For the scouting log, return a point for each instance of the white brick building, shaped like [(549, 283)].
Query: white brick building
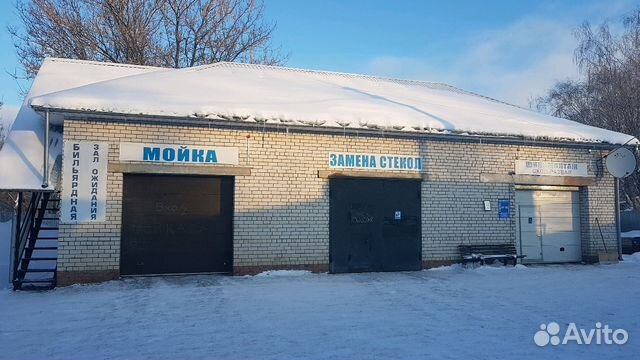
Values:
[(215, 186)]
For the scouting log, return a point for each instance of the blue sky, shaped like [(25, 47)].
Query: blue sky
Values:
[(510, 50)]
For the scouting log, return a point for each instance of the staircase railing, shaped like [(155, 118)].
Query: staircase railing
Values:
[(28, 226)]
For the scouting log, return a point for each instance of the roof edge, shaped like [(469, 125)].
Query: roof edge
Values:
[(101, 63), (232, 124)]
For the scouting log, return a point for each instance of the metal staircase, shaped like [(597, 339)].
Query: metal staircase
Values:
[(36, 242)]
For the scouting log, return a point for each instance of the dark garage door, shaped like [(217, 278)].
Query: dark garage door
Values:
[(374, 225), (176, 224)]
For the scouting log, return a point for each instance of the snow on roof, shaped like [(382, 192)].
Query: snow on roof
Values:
[(8, 115), (242, 92), (304, 97), (21, 157)]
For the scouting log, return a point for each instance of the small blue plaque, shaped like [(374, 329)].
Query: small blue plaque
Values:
[(504, 206)]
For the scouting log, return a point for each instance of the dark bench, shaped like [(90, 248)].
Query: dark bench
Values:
[(487, 254)]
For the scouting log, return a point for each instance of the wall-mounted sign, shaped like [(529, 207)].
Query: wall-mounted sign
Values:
[(531, 167), (375, 161), (504, 206), (184, 154), (84, 182)]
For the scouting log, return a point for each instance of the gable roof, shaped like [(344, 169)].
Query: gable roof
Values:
[(279, 95), (248, 93)]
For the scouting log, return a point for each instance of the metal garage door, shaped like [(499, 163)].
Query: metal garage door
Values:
[(549, 226), (176, 224), (374, 225)]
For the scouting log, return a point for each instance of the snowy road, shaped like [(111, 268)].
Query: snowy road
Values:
[(447, 313)]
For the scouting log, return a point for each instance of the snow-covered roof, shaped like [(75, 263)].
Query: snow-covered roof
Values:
[(8, 115), (21, 157), (316, 98), (248, 93)]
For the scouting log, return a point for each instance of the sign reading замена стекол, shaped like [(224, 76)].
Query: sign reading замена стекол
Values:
[(186, 154), (365, 161)]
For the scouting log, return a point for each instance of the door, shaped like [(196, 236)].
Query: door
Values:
[(549, 225), (176, 224), (530, 237), (374, 225)]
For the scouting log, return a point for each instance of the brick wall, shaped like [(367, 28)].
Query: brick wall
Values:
[(282, 209), (453, 214)]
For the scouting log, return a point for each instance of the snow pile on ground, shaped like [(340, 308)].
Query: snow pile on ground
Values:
[(284, 273), (452, 313), (633, 258), (478, 268), (285, 96), (630, 234)]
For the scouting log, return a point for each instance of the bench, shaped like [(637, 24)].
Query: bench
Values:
[(487, 254)]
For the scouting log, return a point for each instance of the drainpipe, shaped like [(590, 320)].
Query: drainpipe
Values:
[(618, 225), (16, 238), (45, 175)]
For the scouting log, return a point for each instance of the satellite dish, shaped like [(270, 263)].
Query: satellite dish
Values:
[(621, 162)]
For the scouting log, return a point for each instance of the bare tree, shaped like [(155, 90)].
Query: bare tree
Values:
[(203, 32), (608, 93), (173, 33)]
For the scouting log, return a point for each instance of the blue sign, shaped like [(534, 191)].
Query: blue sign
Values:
[(504, 206)]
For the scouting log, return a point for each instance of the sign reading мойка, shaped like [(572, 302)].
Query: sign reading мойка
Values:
[(170, 153)]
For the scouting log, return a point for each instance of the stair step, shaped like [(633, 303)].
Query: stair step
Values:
[(26, 287), (34, 281), (50, 218), (39, 258), (36, 270), (47, 238), (42, 248), (52, 209), (49, 228)]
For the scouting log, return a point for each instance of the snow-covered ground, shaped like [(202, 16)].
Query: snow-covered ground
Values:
[(630, 234), (6, 233), (5, 253), (445, 313)]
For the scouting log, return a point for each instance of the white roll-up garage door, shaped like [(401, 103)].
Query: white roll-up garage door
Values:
[(548, 226)]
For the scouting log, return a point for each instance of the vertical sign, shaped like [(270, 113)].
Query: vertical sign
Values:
[(84, 182), (504, 206)]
